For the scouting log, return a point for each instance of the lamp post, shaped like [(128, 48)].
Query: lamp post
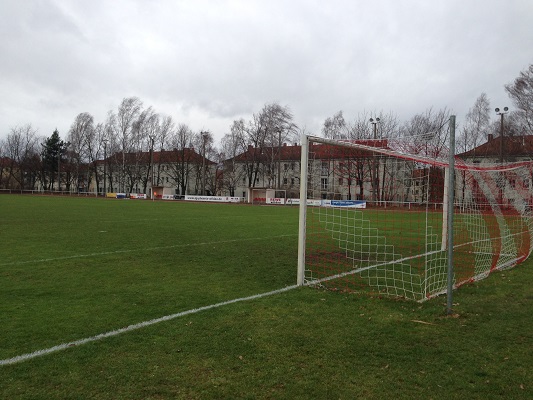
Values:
[(375, 122), (376, 166), (501, 113), (59, 169), (279, 158), (105, 164), (204, 140), (59, 148), (152, 138)]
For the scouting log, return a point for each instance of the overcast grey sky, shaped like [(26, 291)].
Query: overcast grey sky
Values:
[(206, 63)]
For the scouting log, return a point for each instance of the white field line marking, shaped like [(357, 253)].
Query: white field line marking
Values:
[(106, 221), (362, 269), (354, 271), (491, 239), (129, 328), (387, 263), (173, 246)]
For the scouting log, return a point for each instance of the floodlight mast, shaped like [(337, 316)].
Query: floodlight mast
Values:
[(105, 164), (376, 164), (279, 157), (204, 140), (152, 139), (501, 114)]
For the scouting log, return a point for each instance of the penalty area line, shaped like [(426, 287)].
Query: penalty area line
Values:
[(129, 328), (172, 246)]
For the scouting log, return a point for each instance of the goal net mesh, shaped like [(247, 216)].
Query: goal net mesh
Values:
[(376, 217)]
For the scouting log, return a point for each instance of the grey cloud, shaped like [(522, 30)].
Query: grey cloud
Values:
[(207, 63)]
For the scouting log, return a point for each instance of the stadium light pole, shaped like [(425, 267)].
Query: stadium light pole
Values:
[(204, 139), (279, 158), (152, 138), (376, 167), (501, 114), (59, 168), (105, 164)]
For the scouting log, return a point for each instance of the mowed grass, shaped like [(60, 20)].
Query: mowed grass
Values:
[(73, 268), (77, 267)]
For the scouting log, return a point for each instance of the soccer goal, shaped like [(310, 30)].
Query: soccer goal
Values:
[(374, 216)]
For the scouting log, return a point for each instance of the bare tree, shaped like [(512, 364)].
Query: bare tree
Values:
[(426, 134), (263, 138), (335, 127), (231, 146), (202, 144), (180, 159), (521, 93), (140, 169), (253, 145), (122, 125), (476, 124), (113, 163), (359, 167), (95, 141), (78, 137), (214, 167), (4, 167), (21, 149)]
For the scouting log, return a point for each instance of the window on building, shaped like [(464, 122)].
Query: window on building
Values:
[(341, 181), (285, 181), (324, 170), (324, 183)]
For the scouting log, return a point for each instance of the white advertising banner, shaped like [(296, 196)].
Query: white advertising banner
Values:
[(275, 200), (310, 202), (217, 199)]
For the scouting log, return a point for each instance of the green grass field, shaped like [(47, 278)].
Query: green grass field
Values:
[(74, 268)]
